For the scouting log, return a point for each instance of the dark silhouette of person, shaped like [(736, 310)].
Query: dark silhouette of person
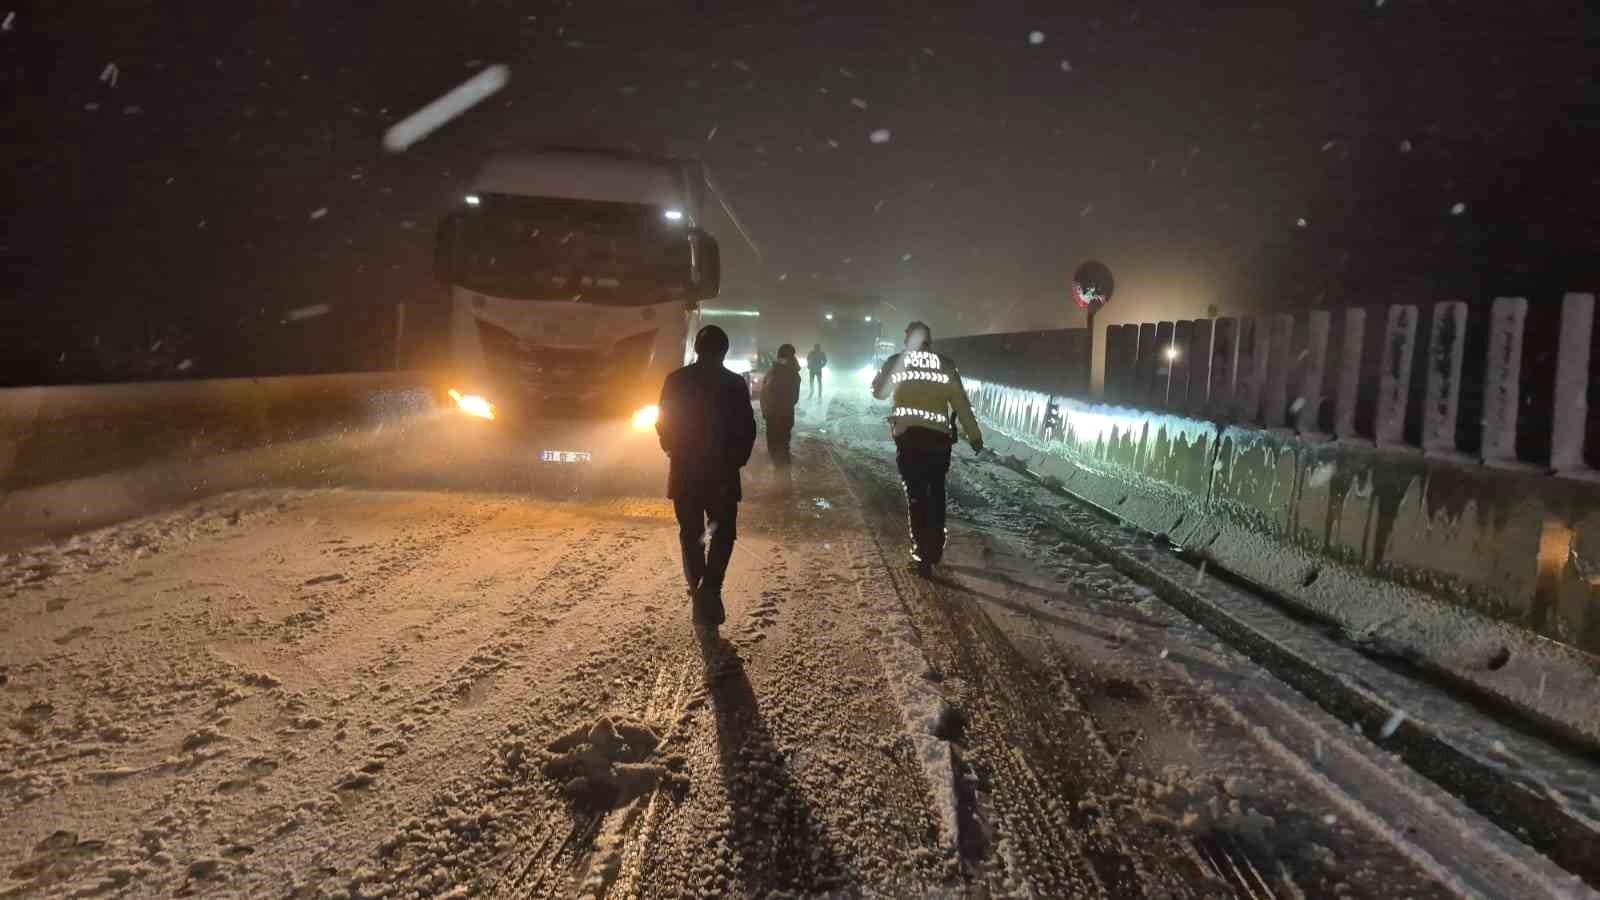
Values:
[(780, 391), (707, 427), (816, 361)]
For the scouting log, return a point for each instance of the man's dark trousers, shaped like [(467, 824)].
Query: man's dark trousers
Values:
[(710, 508), (779, 429)]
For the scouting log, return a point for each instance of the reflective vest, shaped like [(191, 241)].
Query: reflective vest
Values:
[(927, 393)]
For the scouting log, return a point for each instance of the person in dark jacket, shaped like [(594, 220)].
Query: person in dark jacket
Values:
[(816, 361), (929, 399), (707, 428), (779, 394)]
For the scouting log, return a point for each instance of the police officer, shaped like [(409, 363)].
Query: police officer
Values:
[(707, 428), (928, 401)]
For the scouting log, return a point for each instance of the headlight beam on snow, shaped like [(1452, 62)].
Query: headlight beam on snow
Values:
[(428, 119)]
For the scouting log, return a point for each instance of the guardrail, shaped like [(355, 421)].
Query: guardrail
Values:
[(1500, 383), (1052, 361), (1484, 575), (76, 456), (1382, 468)]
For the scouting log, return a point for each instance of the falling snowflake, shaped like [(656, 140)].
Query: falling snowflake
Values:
[(1301, 223), (1379, 3), (1298, 404), (833, 143), (430, 118), (1458, 209), (905, 257), (319, 212), (880, 136), (711, 134), (846, 72), (1391, 726), (877, 206), (1066, 66), (1327, 146), (1164, 653), (858, 103), (10, 18), (307, 312), (741, 65), (1035, 38), (186, 365), (784, 276), (110, 74), (1405, 146), (1087, 208), (1321, 476)]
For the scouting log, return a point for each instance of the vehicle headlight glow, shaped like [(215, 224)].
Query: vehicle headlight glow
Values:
[(674, 215), (737, 366), (646, 417), (472, 405)]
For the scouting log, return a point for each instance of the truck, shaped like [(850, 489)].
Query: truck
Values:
[(575, 279)]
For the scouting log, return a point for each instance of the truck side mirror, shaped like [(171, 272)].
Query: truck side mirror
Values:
[(708, 265), (446, 240)]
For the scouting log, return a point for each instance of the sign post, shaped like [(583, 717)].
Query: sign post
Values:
[(1092, 285)]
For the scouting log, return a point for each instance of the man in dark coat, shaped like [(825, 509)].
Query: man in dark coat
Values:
[(707, 428), (779, 394)]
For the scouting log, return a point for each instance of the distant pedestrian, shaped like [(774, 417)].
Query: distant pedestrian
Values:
[(816, 361), (780, 391), (929, 400), (707, 428)]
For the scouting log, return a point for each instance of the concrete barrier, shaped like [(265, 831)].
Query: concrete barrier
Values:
[(1483, 575), (79, 456)]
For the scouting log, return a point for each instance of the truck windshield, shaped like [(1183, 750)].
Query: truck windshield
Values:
[(576, 250)]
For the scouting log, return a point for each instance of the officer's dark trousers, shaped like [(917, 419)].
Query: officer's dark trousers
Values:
[(779, 429), (923, 457), (706, 561)]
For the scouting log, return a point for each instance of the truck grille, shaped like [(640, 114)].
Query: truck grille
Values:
[(563, 371)]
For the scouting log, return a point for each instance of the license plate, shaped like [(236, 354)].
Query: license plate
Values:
[(565, 456)]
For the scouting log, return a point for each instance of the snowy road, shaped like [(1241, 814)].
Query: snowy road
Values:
[(417, 686)]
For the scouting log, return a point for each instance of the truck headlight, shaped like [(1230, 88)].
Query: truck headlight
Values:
[(646, 416), (472, 405)]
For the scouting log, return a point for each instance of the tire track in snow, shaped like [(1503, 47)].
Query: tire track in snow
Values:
[(1030, 751)]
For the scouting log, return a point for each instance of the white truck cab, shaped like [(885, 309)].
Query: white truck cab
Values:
[(575, 279)]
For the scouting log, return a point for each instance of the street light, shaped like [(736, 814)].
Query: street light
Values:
[(867, 319), (828, 316)]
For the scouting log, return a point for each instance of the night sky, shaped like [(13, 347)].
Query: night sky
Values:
[(1429, 148)]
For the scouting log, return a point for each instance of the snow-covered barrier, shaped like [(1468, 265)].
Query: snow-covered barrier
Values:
[(73, 456), (1482, 574)]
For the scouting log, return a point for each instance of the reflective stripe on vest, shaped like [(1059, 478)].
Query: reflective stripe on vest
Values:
[(911, 412)]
